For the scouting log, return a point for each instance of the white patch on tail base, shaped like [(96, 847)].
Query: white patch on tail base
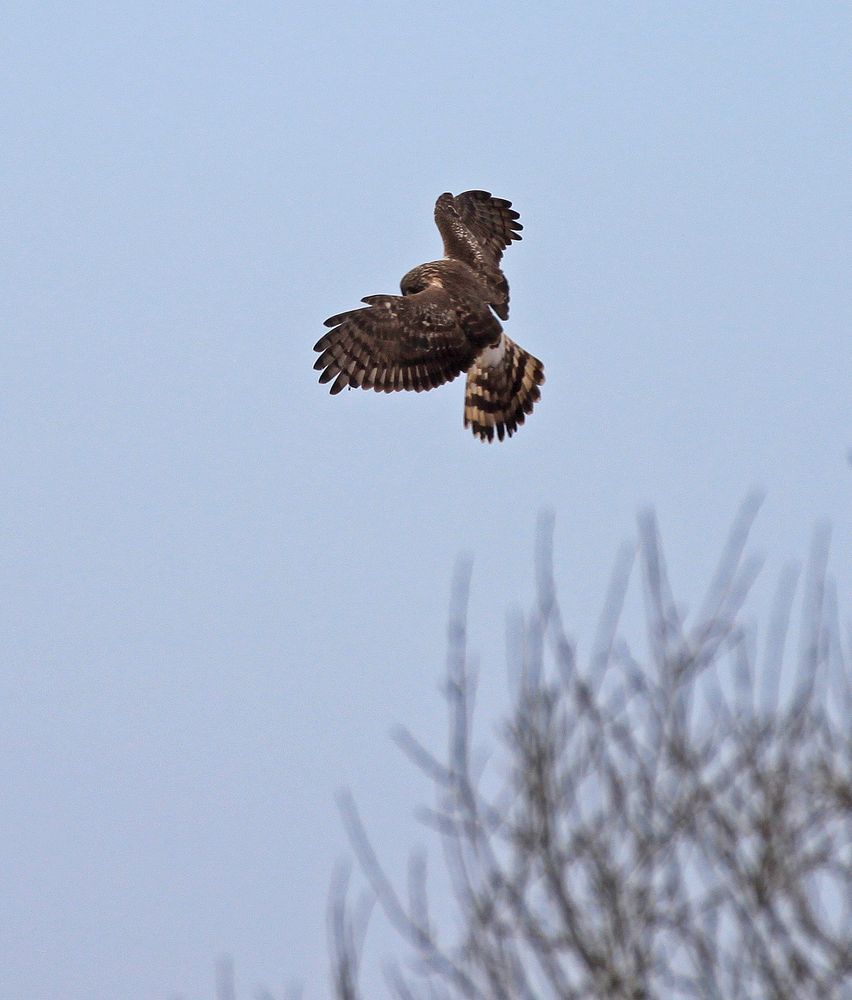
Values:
[(492, 357)]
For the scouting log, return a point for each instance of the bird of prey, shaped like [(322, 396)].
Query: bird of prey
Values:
[(444, 323)]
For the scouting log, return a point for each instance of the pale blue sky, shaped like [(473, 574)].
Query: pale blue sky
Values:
[(220, 586)]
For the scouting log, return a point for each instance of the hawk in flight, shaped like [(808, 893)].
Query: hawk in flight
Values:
[(444, 323)]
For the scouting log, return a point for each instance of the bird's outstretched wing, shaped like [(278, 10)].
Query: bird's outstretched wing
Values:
[(398, 342), (476, 227)]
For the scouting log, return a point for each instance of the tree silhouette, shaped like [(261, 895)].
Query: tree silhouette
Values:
[(670, 824)]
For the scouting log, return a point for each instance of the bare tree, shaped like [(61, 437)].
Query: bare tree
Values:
[(671, 824)]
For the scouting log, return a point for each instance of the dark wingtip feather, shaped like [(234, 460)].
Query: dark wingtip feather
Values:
[(340, 383)]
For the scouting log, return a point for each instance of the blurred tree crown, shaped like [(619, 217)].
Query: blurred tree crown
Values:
[(670, 825)]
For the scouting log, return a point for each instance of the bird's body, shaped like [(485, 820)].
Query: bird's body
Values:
[(444, 323)]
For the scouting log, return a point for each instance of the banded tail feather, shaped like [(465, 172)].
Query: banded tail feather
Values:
[(502, 388)]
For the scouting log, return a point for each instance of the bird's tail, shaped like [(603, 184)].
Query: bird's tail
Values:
[(502, 388)]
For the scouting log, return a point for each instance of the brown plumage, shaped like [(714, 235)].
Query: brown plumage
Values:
[(443, 324)]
